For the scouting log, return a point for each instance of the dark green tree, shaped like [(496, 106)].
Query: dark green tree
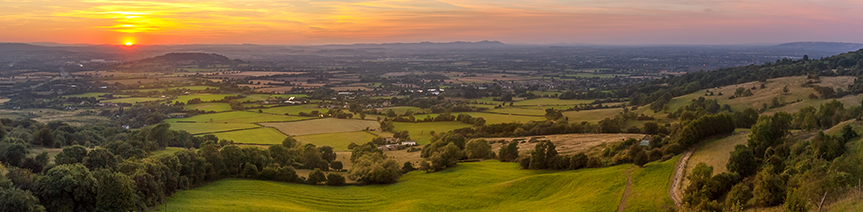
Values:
[(116, 192), (71, 155), (742, 161), (17, 200), (69, 187), (44, 137), (316, 177), (100, 158), (334, 179), (509, 153), (478, 149)]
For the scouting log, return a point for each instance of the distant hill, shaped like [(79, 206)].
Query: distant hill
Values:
[(428, 45), (187, 58), (8, 47), (822, 46)]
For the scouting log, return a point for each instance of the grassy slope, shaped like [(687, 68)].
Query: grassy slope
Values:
[(203, 97), (294, 110), (216, 107), (263, 135), (481, 186), (132, 100), (198, 128), (327, 125), (593, 116)]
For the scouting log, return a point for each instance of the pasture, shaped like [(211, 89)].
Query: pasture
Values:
[(714, 153), (263, 135), (199, 128), (194, 88), (592, 116), (203, 97), (133, 100), (215, 107), (551, 102), (236, 117), (480, 186), (339, 141), (320, 126), (420, 132), (294, 109)]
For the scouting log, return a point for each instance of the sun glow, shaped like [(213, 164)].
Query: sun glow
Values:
[(128, 43)]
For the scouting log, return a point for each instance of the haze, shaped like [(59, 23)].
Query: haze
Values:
[(362, 21)]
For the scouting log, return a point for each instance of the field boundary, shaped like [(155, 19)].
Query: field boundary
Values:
[(510, 114), (224, 131)]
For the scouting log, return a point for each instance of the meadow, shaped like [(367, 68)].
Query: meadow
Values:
[(237, 117), (264, 135), (339, 141), (203, 97), (420, 132), (215, 107), (199, 128), (194, 88), (519, 111), (294, 109), (325, 125), (492, 118), (592, 116), (480, 186), (550, 101)]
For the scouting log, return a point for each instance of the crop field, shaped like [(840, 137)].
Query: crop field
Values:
[(216, 107), (481, 186), (133, 100), (519, 111), (491, 118), (203, 97), (199, 128), (237, 117), (294, 109), (264, 135), (592, 116), (419, 132), (566, 144), (339, 141), (320, 126)]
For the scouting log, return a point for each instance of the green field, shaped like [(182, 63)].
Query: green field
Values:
[(593, 116), (324, 125), (519, 111), (480, 186), (491, 118), (194, 88), (420, 131), (216, 107), (264, 135), (198, 128), (237, 117), (592, 75), (168, 150), (294, 109), (401, 110), (133, 100), (339, 141), (551, 101), (203, 97), (94, 95)]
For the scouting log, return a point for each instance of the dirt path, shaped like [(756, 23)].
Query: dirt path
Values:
[(627, 190), (678, 177)]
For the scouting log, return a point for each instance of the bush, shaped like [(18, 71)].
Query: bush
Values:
[(739, 195), (335, 180), (640, 159), (796, 202), (316, 177)]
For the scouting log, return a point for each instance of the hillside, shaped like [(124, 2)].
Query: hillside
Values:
[(186, 58)]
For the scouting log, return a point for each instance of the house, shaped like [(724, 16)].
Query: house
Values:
[(409, 143), (645, 141)]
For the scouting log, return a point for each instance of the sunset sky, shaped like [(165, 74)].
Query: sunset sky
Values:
[(378, 21)]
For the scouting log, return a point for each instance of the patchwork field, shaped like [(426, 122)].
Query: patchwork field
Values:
[(236, 117), (203, 97), (194, 88), (294, 109), (325, 125), (339, 141), (492, 118), (264, 135), (216, 107), (550, 101), (566, 144), (198, 128), (420, 132), (593, 116), (481, 186)]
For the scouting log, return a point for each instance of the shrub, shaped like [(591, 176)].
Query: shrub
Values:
[(335, 180)]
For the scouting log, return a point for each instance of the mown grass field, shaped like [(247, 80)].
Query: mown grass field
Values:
[(593, 116), (216, 107), (237, 117), (294, 109), (198, 128), (480, 186), (339, 141), (203, 97), (133, 100), (420, 132), (320, 126), (264, 135)]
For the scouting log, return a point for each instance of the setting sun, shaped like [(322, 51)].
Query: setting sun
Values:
[(128, 43)]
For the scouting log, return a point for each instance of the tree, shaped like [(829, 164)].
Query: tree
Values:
[(336, 165), (100, 158), (768, 131), (408, 167), (116, 192), (334, 179), (478, 149), (509, 152), (578, 161), (640, 159), (44, 137), (796, 202), (739, 195), (327, 153), (236, 105), (68, 187), (445, 157), (14, 154), (2, 131), (290, 142), (311, 156), (552, 114), (769, 188), (316, 177), (281, 155), (651, 128), (17, 200), (375, 169), (742, 161), (71, 155)]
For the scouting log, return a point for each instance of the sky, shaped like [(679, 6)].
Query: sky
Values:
[(310, 22)]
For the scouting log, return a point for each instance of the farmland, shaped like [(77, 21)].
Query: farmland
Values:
[(421, 131), (566, 143), (264, 135), (320, 126), (133, 100), (215, 107), (492, 118), (293, 110), (198, 128), (236, 117), (339, 141), (203, 97)]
